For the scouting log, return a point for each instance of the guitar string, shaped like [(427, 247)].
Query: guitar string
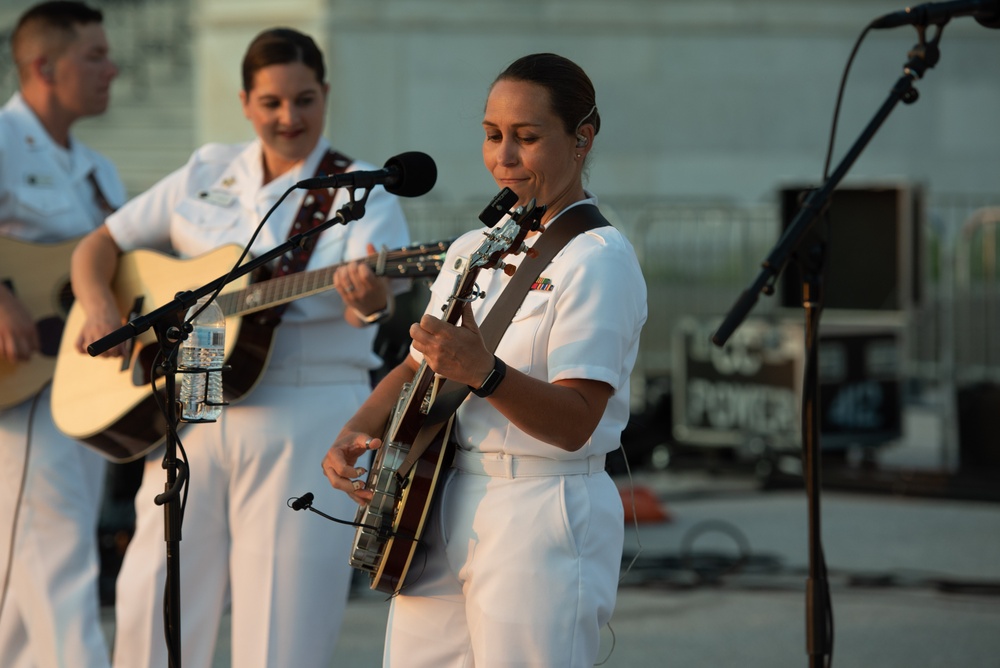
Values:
[(284, 288)]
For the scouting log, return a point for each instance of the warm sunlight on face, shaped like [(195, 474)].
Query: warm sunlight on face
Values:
[(527, 148), (287, 108), (83, 72)]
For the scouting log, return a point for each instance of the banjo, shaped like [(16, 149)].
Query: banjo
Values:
[(405, 470)]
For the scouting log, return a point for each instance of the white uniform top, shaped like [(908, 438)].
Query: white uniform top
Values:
[(45, 191), (52, 616), (580, 320), (217, 199)]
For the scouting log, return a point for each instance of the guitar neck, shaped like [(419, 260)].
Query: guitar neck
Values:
[(410, 262), (275, 291), (418, 395)]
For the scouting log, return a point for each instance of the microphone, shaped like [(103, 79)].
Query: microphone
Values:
[(498, 207), (304, 501), (986, 13), (410, 174)]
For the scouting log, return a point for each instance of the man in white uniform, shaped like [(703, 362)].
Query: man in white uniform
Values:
[(52, 188)]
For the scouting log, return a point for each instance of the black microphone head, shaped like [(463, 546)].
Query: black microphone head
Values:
[(303, 501), (498, 207), (416, 171)]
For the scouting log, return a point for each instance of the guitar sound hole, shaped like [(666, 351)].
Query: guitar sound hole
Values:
[(65, 299), (142, 372), (49, 331)]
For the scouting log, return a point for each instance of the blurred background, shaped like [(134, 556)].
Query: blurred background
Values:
[(716, 119)]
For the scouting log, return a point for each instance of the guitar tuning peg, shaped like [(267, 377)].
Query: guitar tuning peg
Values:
[(531, 252), (509, 269)]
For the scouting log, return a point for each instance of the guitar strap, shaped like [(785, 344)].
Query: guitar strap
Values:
[(314, 211), (106, 208), (451, 394)]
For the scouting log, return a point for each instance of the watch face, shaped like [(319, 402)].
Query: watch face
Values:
[(493, 380)]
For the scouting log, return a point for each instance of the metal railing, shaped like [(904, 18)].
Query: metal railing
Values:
[(697, 256)]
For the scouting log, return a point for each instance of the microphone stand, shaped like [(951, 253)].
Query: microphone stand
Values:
[(164, 322), (819, 621)]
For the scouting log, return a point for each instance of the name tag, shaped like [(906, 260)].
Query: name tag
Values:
[(217, 197), (39, 180)]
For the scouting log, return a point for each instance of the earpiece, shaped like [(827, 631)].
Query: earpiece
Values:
[(581, 141)]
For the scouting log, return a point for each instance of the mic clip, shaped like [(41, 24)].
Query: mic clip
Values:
[(301, 502), (304, 502)]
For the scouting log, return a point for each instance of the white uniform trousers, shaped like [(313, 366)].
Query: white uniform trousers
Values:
[(516, 572), (51, 617), (284, 572)]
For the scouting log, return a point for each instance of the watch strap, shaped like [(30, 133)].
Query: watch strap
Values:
[(376, 317), (493, 380)]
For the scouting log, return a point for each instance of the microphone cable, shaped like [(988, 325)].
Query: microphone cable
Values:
[(304, 502)]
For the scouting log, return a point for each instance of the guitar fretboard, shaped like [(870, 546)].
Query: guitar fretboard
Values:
[(412, 262)]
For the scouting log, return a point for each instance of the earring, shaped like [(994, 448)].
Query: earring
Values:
[(577, 156)]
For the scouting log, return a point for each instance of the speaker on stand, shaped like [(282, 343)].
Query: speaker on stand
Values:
[(871, 284)]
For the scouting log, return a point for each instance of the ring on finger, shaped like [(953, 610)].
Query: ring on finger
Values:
[(349, 288), (368, 442)]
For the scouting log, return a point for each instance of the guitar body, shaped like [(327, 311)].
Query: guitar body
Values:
[(394, 521), (108, 402), (38, 274)]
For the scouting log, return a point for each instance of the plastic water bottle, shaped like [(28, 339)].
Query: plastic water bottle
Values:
[(201, 358)]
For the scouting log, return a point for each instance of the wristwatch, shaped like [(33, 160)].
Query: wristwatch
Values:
[(376, 317), (493, 380), (380, 316)]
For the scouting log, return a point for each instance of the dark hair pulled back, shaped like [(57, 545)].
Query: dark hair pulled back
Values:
[(571, 91), (279, 46)]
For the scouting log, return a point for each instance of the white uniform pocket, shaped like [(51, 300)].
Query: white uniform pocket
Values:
[(533, 305), (198, 226), (523, 330), (34, 203)]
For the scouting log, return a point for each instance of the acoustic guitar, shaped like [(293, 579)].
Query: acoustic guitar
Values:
[(38, 275), (110, 403), (391, 525)]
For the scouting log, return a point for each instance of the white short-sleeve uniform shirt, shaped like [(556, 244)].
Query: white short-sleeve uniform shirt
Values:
[(217, 198), (46, 192), (581, 319)]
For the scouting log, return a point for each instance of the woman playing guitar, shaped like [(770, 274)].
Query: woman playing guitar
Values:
[(519, 560), (237, 544)]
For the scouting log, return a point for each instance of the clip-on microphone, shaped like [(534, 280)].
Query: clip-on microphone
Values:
[(304, 502)]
